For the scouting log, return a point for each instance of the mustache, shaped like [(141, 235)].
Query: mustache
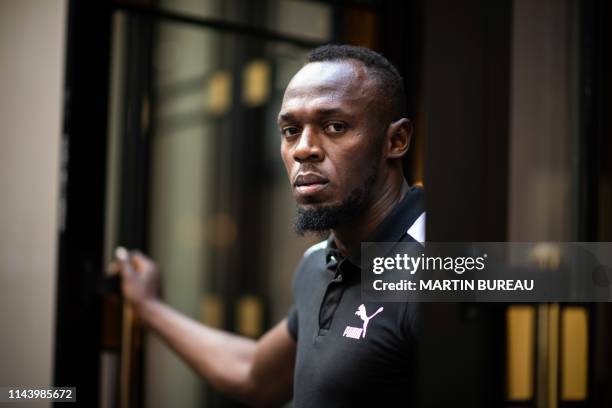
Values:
[(309, 168)]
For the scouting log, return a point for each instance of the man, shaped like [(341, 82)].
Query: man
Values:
[(343, 135)]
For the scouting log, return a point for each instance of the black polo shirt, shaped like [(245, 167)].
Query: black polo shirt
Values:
[(350, 352)]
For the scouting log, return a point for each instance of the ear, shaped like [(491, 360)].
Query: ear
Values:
[(399, 135)]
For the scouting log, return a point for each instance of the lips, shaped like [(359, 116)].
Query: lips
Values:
[(310, 183)]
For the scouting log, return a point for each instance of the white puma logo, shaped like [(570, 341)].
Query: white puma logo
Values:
[(356, 332), (361, 312)]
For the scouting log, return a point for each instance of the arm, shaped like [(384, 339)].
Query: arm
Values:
[(256, 372)]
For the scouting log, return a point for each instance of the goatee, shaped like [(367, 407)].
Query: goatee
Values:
[(321, 220)]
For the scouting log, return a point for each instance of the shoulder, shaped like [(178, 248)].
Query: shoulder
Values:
[(319, 247), (312, 260), (314, 257)]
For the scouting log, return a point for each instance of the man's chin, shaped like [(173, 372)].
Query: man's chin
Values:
[(322, 216), (315, 218)]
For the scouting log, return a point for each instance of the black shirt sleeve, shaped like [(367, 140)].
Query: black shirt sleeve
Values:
[(292, 322)]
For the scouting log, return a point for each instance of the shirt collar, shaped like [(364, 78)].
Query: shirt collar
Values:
[(392, 229)]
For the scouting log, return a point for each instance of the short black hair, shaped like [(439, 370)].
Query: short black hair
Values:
[(389, 80)]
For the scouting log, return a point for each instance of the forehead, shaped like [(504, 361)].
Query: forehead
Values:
[(342, 85)]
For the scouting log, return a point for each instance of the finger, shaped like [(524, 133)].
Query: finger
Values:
[(113, 268), (122, 254), (139, 261), (123, 259)]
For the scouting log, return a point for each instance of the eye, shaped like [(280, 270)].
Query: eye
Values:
[(335, 128), (289, 131)]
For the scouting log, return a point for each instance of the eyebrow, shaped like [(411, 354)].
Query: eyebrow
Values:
[(288, 116)]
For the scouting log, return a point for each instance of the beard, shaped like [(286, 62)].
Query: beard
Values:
[(321, 220)]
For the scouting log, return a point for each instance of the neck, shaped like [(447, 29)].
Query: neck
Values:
[(349, 237)]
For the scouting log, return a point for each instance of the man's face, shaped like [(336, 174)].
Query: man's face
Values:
[(331, 138)]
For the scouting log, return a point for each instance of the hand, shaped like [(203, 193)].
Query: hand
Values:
[(139, 276)]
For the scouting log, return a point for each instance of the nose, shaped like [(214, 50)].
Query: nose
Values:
[(308, 147)]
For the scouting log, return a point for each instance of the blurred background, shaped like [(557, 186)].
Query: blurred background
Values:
[(151, 124)]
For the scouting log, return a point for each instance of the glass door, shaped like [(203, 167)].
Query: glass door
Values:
[(195, 176)]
